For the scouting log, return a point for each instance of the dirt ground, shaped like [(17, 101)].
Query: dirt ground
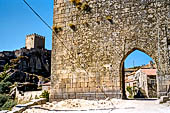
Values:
[(101, 106)]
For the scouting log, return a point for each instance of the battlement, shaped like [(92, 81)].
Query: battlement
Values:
[(35, 35), (35, 41)]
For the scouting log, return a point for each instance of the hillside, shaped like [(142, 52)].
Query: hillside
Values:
[(26, 65)]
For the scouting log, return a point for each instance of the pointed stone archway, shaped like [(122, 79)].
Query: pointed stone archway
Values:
[(122, 72)]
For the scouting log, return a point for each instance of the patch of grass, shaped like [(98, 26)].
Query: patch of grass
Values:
[(45, 94)]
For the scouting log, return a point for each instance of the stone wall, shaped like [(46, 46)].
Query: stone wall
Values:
[(97, 36)]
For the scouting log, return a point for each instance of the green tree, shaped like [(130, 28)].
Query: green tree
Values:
[(4, 87), (9, 104), (3, 99), (3, 75)]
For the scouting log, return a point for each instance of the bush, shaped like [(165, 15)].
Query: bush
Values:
[(45, 94), (4, 87), (6, 67), (129, 89), (7, 78), (3, 75), (3, 99), (9, 104)]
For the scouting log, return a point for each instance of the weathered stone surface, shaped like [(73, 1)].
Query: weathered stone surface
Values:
[(164, 99), (22, 107), (37, 61), (90, 58)]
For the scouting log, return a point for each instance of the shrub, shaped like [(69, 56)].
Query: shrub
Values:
[(3, 99), (7, 78), (9, 104), (45, 94), (6, 67), (129, 89), (4, 87), (3, 75)]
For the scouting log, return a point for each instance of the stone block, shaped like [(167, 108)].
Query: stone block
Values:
[(85, 84), (72, 95), (100, 96), (73, 85), (86, 89), (163, 99)]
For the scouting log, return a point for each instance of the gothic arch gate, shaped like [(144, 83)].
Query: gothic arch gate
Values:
[(91, 39), (122, 71)]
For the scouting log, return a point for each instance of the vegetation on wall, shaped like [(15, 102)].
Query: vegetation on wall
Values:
[(57, 28), (81, 6), (72, 26), (109, 18), (86, 7)]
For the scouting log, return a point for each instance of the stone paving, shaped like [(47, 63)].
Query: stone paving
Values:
[(102, 106)]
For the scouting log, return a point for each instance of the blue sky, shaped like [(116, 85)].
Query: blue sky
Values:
[(17, 21), (137, 58)]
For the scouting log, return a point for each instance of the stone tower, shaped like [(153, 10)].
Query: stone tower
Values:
[(35, 41), (92, 39)]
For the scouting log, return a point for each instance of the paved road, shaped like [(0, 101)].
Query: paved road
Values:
[(124, 106)]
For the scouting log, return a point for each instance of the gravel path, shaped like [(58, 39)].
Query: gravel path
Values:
[(102, 106)]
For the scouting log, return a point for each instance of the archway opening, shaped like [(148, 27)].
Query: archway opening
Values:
[(139, 76)]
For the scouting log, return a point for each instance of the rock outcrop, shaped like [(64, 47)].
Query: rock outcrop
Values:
[(33, 61)]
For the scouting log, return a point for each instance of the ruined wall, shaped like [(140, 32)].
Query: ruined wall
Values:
[(96, 39)]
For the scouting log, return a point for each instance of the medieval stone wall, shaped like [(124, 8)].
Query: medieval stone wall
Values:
[(96, 40)]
